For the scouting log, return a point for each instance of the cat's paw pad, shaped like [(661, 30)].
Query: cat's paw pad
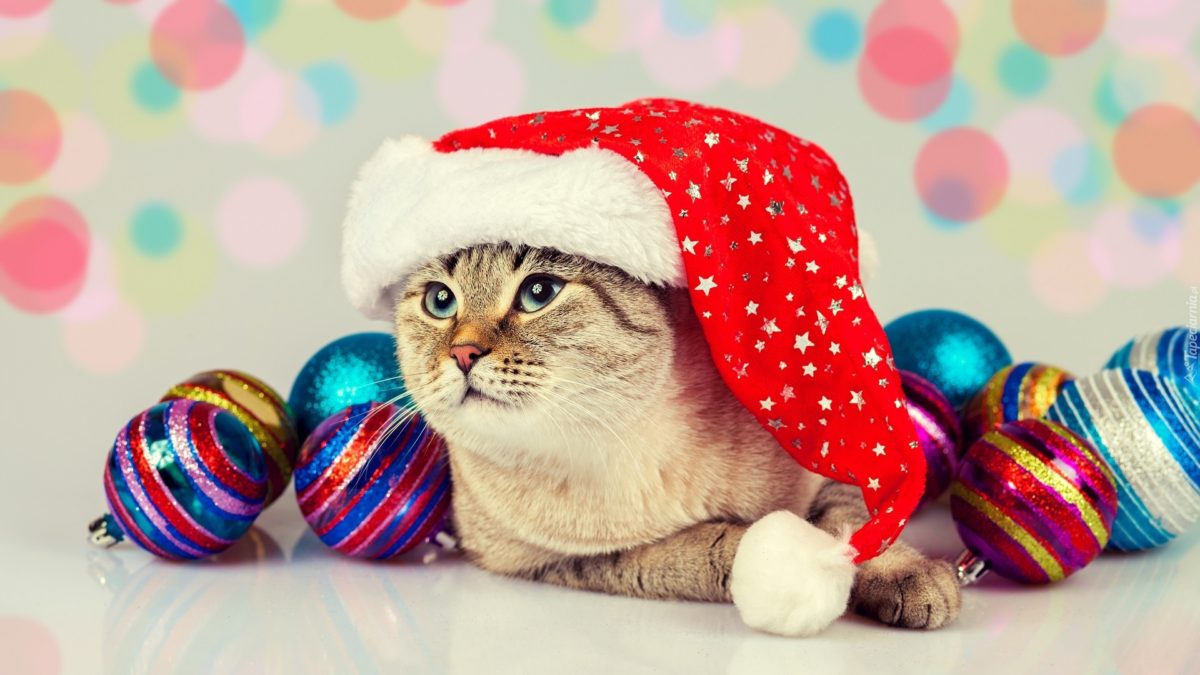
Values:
[(916, 593), (789, 577)]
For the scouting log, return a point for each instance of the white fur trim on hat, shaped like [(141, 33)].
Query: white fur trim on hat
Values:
[(412, 203)]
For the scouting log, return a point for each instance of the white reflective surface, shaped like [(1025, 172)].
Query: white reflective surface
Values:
[(280, 602)]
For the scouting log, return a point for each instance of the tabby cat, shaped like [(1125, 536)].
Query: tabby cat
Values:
[(594, 445)]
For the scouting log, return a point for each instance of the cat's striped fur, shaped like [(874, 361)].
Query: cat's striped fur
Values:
[(608, 455)]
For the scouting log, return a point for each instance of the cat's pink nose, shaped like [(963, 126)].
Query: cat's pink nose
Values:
[(466, 355)]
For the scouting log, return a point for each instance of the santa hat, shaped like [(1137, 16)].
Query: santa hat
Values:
[(757, 223)]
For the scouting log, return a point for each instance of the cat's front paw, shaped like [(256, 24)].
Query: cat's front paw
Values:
[(912, 592), (789, 577)]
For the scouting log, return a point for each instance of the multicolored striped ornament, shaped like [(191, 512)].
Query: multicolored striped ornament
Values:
[(256, 405), (1174, 352), (184, 480), (1033, 501), (373, 481), (1147, 429), (1018, 392), (938, 432)]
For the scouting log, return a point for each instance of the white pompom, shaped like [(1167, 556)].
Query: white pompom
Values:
[(789, 577)]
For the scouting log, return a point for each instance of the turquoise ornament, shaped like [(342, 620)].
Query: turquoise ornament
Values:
[(1174, 352), (1144, 428), (358, 368), (953, 351)]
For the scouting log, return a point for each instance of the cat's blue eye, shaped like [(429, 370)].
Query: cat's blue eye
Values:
[(537, 291), (440, 301)]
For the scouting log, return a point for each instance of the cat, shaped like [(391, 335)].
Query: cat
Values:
[(593, 444)]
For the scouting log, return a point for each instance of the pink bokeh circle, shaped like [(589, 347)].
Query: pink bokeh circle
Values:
[(107, 342), (1156, 150), (1033, 137), (906, 69), (1124, 258), (99, 292), (1167, 22), (44, 245), (961, 174), (1061, 276), (84, 155), (769, 47), (245, 108), (1059, 27), (197, 44), (20, 9), (693, 62), (28, 646), (479, 82), (30, 136), (261, 221)]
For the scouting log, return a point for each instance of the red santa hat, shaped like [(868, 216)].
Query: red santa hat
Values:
[(757, 223)]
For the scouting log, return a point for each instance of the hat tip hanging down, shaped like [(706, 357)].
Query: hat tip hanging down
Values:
[(757, 223)]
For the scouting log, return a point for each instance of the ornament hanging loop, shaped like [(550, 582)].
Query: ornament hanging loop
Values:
[(104, 532), (970, 568)]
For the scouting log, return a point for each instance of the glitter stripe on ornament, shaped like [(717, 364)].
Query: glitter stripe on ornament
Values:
[(1173, 352), (1126, 393), (1030, 548), (998, 481), (197, 450), (340, 459), (214, 509), (402, 523), (122, 506), (257, 406), (1067, 501), (153, 496), (373, 481), (1046, 488), (1150, 436), (170, 476), (1017, 392)]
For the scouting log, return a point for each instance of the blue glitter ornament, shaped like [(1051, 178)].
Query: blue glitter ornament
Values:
[(1174, 352), (953, 351), (1144, 428), (359, 368)]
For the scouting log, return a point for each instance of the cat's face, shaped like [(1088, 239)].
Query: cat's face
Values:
[(522, 352)]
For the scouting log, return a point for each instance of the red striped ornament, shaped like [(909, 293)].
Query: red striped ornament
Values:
[(1033, 501)]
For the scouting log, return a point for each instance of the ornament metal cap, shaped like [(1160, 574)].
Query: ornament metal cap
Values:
[(970, 568), (105, 532)]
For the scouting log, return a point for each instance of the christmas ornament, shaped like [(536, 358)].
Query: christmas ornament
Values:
[(757, 223), (1147, 430), (373, 481), (1018, 392), (1033, 501), (938, 432), (255, 405), (354, 369), (953, 351), (184, 479), (1174, 352)]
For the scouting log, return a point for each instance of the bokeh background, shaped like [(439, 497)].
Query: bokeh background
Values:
[(173, 173)]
